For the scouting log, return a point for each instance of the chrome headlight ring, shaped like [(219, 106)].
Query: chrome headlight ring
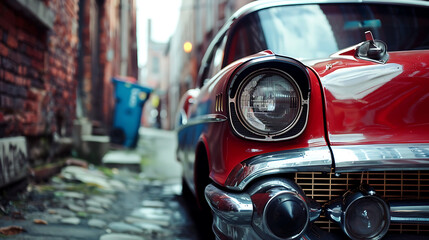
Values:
[(268, 101)]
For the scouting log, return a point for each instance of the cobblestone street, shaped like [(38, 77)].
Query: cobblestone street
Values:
[(106, 203)]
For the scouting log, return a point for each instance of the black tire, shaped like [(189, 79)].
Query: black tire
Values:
[(205, 217), (186, 191)]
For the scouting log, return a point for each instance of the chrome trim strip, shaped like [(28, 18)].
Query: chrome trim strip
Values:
[(381, 157), (235, 207), (409, 211), (316, 159), (207, 118)]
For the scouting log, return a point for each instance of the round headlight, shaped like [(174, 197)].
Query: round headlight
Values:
[(367, 218), (269, 102)]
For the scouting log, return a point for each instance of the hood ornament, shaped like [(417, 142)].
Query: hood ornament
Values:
[(373, 50)]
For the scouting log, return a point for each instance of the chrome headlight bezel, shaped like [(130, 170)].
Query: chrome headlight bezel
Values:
[(262, 74), (291, 71)]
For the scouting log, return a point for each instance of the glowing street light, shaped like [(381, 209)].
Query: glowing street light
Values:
[(187, 47)]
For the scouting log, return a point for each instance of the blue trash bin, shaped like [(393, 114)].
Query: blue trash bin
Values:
[(129, 99)]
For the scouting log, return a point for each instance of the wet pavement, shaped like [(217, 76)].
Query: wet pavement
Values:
[(106, 203)]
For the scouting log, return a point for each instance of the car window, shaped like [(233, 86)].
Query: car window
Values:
[(215, 60), (317, 31)]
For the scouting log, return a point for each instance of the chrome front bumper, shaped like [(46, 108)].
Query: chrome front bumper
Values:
[(239, 212), (236, 216)]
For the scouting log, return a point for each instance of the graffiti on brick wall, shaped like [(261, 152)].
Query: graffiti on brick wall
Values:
[(13, 159)]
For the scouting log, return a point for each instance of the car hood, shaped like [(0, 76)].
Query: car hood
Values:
[(374, 103)]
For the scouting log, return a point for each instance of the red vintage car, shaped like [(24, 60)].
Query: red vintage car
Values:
[(311, 121)]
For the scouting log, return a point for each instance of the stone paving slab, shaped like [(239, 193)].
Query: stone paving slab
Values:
[(52, 230), (106, 205), (151, 210)]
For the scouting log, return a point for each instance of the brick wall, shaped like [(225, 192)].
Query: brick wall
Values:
[(37, 70), (100, 57)]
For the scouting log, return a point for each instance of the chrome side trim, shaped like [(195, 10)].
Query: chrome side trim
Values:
[(409, 211), (381, 157), (208, 118), (235, 207), (316, 159)]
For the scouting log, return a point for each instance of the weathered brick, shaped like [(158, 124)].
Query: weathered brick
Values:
[(9, 77), (3, 50), (37, 83), (34, 82), (37, 65), (6, 101), (31, 129), (18, 103), (3, 87), (18, 80), (4, 23), (30, 117), (13, 55), (22, 70), (27, 106), (10, 88), (22, 92), (12, 41), (8, 64), (21, 21), (32, 73), (22, 47), (27, 82), (31, 95), (21, 35), (29, 51), (8, 14), (26, 61)]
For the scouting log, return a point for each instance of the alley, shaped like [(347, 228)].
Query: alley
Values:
[(107, 203)]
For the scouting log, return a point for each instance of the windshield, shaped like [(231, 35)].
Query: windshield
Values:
[(317, 31)]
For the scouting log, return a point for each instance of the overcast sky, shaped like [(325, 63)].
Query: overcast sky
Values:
[(164, 15)]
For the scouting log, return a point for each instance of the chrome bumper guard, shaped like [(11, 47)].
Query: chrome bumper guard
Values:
[(249, 214), (241, 215)]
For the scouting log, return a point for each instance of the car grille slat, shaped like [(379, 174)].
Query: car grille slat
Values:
[(404, 185)]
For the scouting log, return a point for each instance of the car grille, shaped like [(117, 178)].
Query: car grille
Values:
[(390, 185)]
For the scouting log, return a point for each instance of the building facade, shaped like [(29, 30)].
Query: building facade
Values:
[(107, 29), (38, 49), (155, 76), (57, 59), (199, 22)]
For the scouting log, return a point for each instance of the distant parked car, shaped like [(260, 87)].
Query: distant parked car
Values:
[(305, 126)]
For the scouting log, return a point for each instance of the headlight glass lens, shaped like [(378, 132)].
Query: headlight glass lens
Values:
[(269, 102)]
